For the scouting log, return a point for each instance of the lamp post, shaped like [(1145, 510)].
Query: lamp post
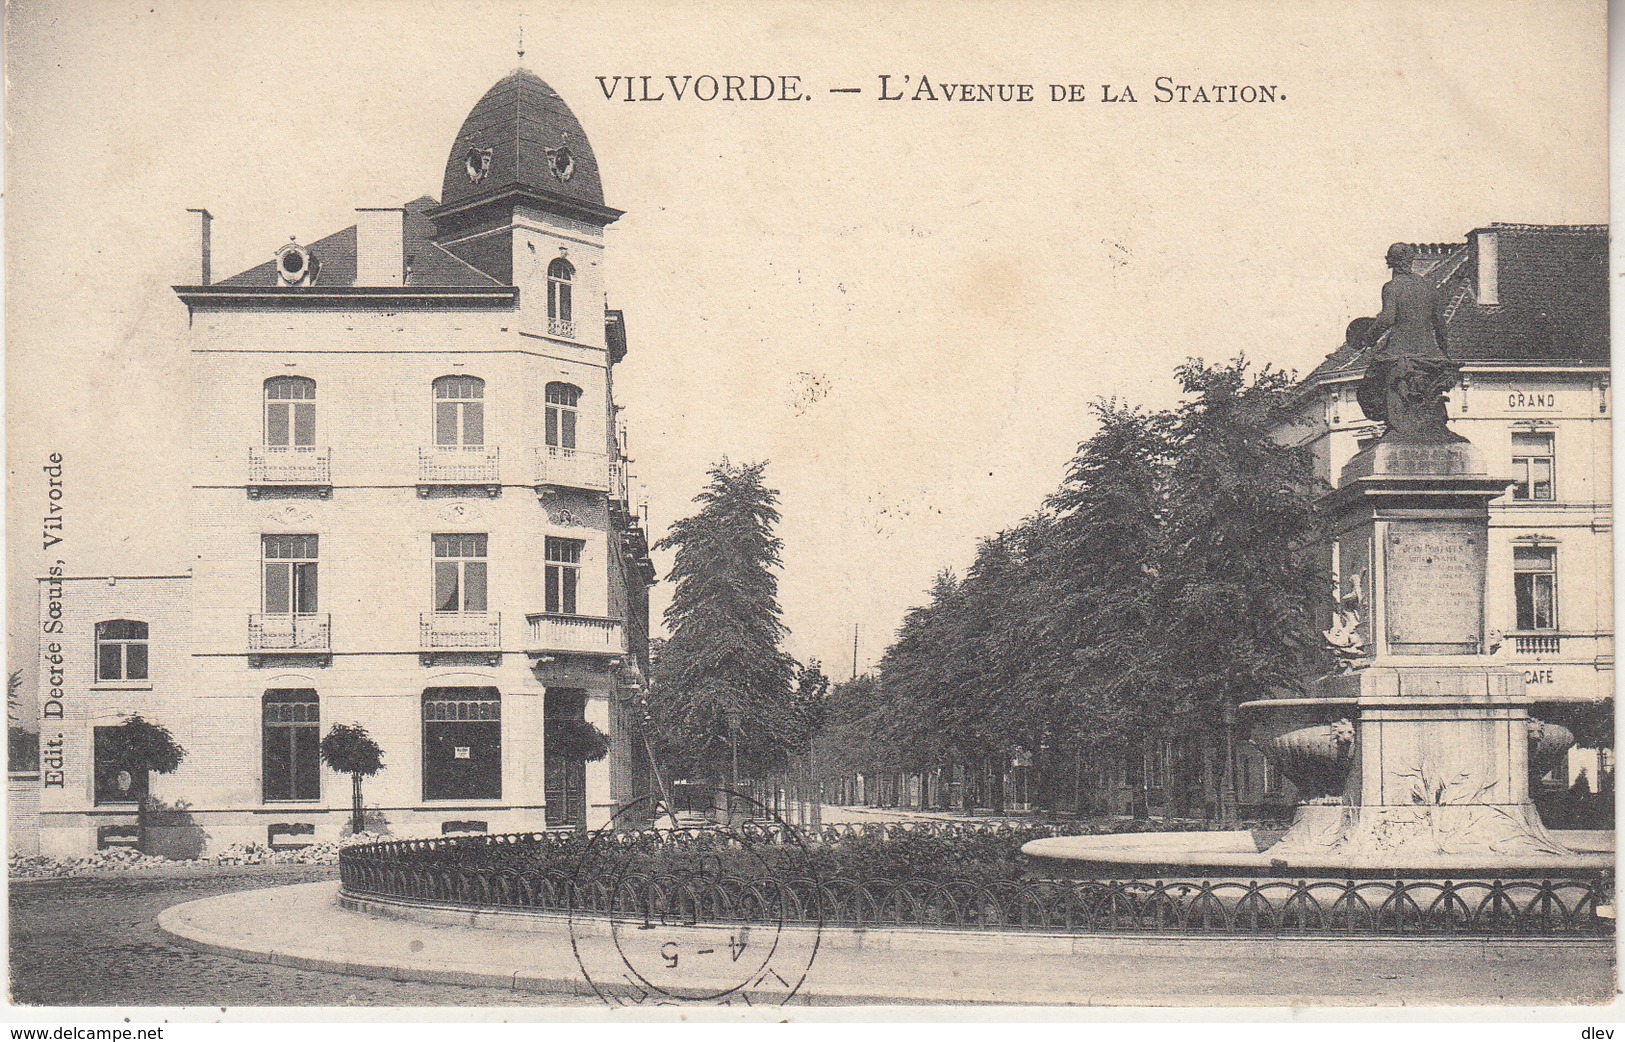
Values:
[(1228, 795), (735, 718)]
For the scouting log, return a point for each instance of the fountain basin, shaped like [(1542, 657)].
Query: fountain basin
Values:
[(1246, 854)]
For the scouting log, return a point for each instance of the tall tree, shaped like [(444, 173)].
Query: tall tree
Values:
[(1103, 673), (1235, 583), (722, 663)]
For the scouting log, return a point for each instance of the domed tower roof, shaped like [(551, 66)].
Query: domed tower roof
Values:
[(522, 140)]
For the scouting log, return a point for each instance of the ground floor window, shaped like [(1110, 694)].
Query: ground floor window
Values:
[(117, 779), (462, 743), (291, 740)]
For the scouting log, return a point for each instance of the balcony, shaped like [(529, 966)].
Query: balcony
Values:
[(476, 633), (618, 481), (281, 634), (289, 466), (459, 466), (563, 327), (571, 468), (554, 635), (1537, 644)]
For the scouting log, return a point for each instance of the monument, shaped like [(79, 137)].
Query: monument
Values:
[(1425, 762), (1415, 755)]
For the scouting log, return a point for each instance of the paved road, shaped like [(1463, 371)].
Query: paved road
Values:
[(95, 942)]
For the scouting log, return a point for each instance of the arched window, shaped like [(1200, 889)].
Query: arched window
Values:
[(290, 743), (290, 412), (121, 650), (562, 400), (560, 274), (459, 411)]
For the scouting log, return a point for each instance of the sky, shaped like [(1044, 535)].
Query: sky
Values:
[(906, 306)]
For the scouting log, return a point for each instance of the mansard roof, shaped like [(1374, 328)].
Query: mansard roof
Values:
[(429, 264), (1551, 307)]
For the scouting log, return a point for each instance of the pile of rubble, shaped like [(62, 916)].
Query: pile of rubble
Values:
[(127, 859)]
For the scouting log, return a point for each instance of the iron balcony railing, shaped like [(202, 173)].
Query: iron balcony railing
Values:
[(460, 631), (561, 327), (289, 465), (572, 468), (282, 631), (458, 465), (552, 634)]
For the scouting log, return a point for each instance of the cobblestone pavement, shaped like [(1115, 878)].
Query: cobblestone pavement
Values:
[(95, 942)]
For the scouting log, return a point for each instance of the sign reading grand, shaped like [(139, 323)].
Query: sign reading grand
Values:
[(1434, 596)]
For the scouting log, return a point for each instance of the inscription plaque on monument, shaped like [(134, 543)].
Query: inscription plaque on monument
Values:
[(1435, 587)]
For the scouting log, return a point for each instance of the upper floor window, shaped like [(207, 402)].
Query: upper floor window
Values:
[(1534, 586), (290, 574), (459, 573), (290, 412), (560, 275), (562, 400), (1533, 462), (121, 650), (459, 411), (563, 575)]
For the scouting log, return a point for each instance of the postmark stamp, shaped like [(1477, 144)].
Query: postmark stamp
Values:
[(700, 914)]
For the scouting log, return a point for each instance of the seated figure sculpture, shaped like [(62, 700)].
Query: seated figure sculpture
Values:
[(1408, 371)]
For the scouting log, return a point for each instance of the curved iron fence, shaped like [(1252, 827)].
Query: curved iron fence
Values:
[(439, 872)]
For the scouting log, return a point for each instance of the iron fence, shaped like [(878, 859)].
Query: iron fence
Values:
[(560, 872)]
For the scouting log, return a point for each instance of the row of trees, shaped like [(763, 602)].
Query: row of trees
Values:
[(1162, 584)]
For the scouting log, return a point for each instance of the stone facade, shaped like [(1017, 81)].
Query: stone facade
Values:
[(411, 510)]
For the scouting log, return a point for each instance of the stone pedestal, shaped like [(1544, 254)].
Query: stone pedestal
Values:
[(1418, 753)]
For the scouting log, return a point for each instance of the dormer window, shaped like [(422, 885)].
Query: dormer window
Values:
[(560, 276), (290, 412)]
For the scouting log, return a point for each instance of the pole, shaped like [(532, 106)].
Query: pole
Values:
[(854, 651), (1227, 813)]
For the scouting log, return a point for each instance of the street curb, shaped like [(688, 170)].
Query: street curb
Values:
[(180, 924)]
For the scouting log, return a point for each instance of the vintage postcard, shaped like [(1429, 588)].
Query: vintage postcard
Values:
[(795, 507)]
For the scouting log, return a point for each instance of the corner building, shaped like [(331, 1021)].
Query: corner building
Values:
[(411, 511)]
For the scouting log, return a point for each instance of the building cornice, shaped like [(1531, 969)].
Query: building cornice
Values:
[(225, 297), (562, 205)]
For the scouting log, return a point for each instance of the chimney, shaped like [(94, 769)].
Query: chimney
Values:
[(380, 246), (1486, 261), (199, 222)]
